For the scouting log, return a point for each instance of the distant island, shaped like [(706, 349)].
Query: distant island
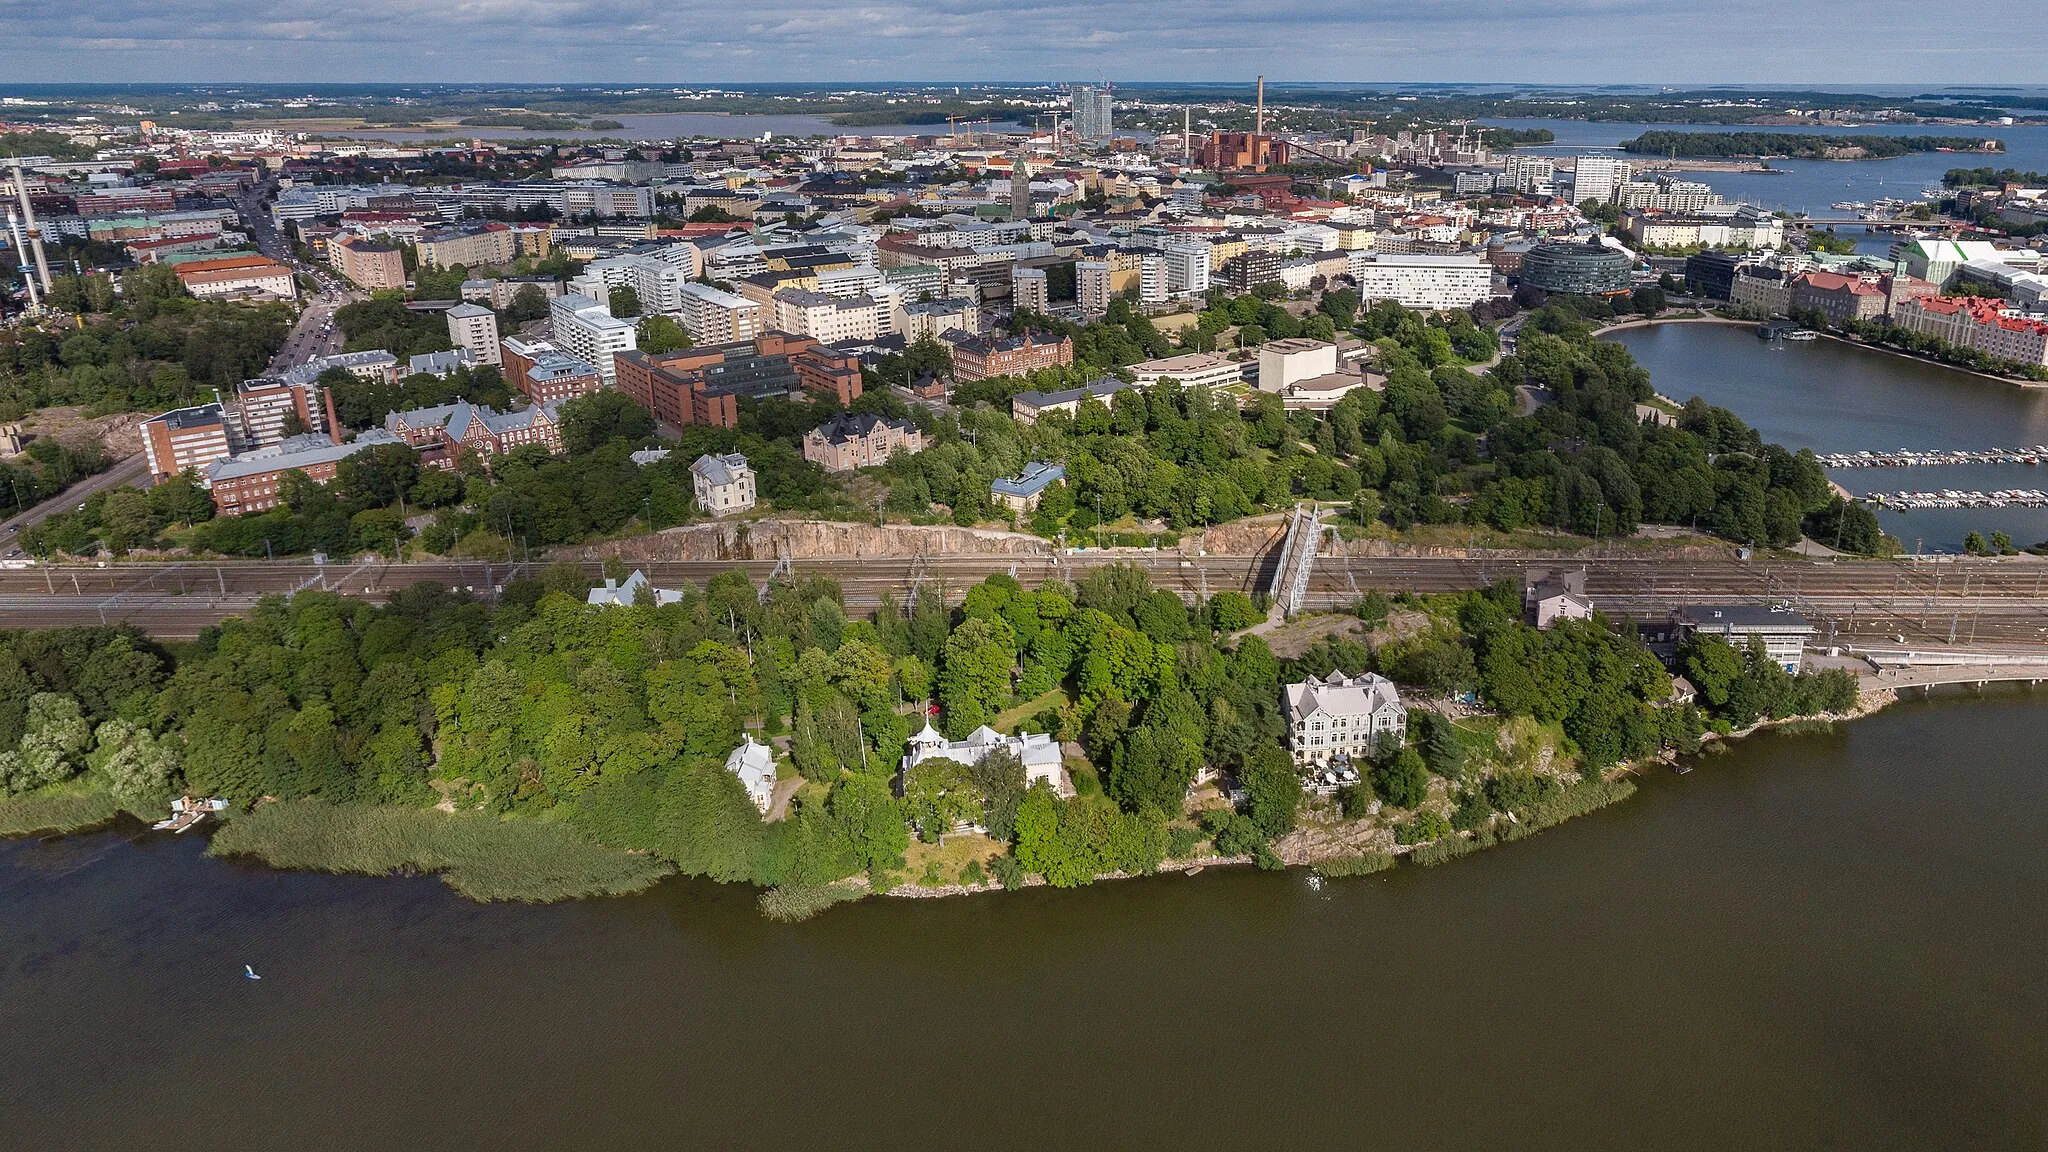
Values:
[(1801, 146), (535, 122)]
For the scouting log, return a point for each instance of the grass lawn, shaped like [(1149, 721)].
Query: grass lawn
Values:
[(951, 857), (1009, 718)]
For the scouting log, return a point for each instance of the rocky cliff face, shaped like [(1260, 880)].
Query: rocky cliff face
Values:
[(812, 539)]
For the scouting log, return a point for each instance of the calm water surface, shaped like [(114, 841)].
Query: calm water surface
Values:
[(1834, 397), (1818, 941), (1813, 185)]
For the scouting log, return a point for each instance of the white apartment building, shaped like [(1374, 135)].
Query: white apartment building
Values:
[(1348, 716), (1598, 178), (827, 319), (715, 317), (1091, 284), (1187, 269), (1524, 173), (588, 331), (1418, 281), (859, 280), (658, 283), (1028, 289), (474, 329), (1152, 282)]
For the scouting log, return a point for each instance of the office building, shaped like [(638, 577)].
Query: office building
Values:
[(186, 438), (253, 481), (1589, 269), (1782, 630), (702, 385), (269, 410), (1190, 370), (474, 329), (1423, 281), (1187, 269), (1525, 173)]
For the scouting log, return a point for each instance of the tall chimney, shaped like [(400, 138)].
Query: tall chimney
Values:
[(1260, 123), (1186, 142)]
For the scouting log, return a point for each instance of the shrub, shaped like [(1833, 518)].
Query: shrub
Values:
[(1181, 841), (1356, 800), (1363, 864), (1472, 812), (1449, 848), (971, 874), (1007, 871), (1517, 790), (1426, 826), (790, 904)]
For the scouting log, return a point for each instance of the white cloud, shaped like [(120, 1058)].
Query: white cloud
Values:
[(1557, 41)]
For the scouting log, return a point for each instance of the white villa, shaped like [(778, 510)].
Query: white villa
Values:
[(625, 593), (754, 764), (1342, 716), (1040, 753)]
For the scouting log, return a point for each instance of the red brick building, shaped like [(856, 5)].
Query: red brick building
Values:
[(980, 357), (703, 385), (545, 373), (442, 433)]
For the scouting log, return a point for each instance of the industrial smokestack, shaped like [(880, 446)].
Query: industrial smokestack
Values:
[(35, 234), (1260, 123), (1186, 141)]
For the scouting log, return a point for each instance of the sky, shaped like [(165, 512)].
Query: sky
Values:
[(1677, 42)]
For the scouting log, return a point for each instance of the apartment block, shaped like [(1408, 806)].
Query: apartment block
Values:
[(588, 331), (715, 317), (474, 329)]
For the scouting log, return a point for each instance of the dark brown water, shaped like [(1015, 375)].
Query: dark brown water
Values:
[(1827, 941)]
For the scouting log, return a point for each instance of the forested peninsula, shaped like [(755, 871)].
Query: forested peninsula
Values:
[(1801, 146)]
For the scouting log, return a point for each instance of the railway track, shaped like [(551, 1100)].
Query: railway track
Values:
[(2000, 598)]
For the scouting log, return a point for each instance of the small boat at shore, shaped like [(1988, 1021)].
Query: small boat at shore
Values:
[(185, 812)]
